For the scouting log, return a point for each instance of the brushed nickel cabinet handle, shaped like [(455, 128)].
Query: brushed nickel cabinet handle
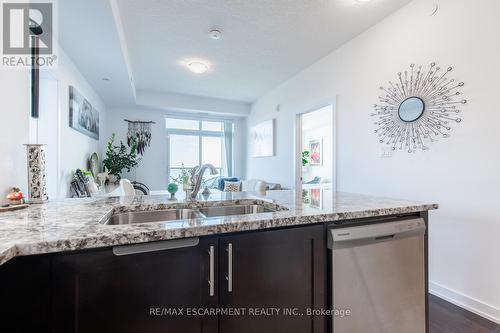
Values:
[(211, 273), (229, 276)]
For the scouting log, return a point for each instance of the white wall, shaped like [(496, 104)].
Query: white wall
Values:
[(44, 130), (18, 128), (152, 169), (75, 148), (460, 173), (14, 129)]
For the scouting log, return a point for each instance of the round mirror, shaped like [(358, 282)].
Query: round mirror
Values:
[(411, 109)]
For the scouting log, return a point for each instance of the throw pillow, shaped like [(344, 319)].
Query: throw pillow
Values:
[(221, 180), (232, 186)]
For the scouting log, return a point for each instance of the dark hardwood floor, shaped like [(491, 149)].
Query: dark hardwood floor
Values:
[(448, 318)]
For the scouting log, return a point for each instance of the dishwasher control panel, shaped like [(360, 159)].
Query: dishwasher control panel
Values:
[(376, 232)]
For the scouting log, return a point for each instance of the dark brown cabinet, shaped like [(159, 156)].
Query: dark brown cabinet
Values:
[(25, 295), (275, 276), (271, 277), (145, 292)]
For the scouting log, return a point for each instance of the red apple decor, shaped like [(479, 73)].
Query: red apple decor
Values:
[(15, 196)]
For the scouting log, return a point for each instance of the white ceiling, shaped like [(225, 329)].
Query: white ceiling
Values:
[(264, 42), (88, 34)]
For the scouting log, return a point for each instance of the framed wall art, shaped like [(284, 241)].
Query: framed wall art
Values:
[(316, 152), (83, 117), (262, 139)]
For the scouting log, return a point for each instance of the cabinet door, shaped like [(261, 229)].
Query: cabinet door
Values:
[(25, 295), (150, 292), (282, 270)]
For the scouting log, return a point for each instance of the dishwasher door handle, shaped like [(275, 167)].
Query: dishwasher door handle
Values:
[(379, 238)]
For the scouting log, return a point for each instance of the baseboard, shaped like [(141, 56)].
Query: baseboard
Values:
[(473, 305)]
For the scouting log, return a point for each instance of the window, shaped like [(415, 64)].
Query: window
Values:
[(211, 126), (185, 124), (194, 142)]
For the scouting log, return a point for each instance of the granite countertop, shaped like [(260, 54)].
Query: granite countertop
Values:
[(73, 224)]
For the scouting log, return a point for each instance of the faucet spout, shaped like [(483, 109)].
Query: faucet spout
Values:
[(197, 177)]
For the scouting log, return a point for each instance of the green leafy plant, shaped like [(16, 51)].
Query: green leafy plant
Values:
[(119, 158), (305, 157), (183, 177)]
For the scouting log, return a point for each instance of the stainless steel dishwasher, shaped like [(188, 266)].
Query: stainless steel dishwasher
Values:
[(378, 277)]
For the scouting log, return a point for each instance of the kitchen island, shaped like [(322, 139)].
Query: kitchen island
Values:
[(71, 272)]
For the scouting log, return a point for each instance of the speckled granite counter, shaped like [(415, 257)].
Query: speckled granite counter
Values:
[(73, 224)]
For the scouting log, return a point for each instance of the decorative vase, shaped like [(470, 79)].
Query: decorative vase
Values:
[(113, 179), (185, 187), (37, 182)]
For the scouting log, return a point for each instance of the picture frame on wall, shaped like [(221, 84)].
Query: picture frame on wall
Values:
[(262, 139), (83, 117), (316, 152)]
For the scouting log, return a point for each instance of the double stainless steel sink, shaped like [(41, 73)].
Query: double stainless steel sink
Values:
[(174, 214)]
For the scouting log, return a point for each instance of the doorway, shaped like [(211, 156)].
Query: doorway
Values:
[(316, 150)]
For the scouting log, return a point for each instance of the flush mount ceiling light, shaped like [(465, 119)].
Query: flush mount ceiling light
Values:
[(364, 0), (197, 67)]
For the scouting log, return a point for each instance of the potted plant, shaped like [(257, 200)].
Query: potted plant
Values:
[(183, 178), (119, 158)]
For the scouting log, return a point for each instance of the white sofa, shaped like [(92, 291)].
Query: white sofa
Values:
[(258, 185)]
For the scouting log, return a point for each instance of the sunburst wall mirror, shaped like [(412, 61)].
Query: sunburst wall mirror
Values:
[(418, 108)]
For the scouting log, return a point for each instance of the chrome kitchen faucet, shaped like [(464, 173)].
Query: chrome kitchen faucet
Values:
[(194, 182)]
